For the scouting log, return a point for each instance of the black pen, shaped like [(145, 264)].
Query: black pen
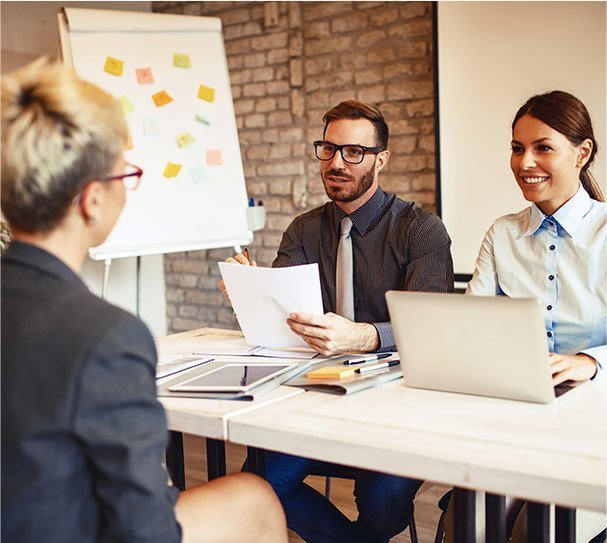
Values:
[(375, 367), (368, 358)]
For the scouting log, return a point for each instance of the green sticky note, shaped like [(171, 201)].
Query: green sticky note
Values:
[(202, 118), (151, 127), (184, 139), (199, 174), (181, 60), (126, 105)]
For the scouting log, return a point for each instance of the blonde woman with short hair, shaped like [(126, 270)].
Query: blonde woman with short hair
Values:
[(82, 432)]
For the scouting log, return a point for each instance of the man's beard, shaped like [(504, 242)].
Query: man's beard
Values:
[(352, 189)]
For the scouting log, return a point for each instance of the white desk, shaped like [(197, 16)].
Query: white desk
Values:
[(205, 417), (554, 454), (547, 454)]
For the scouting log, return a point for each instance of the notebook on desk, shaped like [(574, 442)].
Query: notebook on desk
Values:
[(488, 346)]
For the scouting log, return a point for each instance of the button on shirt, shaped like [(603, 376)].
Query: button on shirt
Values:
[(560, 260), (396, 245)]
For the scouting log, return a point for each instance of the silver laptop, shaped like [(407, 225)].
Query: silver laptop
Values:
[(489, 346)]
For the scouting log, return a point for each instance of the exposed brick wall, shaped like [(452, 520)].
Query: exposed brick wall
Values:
[(283, 79)]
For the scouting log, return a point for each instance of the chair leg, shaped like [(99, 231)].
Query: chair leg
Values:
[(440, 528), (413, 530)]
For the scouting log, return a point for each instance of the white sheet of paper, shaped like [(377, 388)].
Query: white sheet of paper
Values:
[(262, 299)]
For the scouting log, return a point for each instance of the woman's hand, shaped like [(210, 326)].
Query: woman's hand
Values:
[(579, 367)]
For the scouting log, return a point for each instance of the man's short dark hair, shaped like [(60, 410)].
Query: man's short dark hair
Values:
[(354, 109)]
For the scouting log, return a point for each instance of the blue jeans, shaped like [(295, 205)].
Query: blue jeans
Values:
[(385, 502)]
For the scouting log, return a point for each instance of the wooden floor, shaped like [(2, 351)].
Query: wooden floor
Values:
[(426, 509)]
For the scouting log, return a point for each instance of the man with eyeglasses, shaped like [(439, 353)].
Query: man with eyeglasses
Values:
[(394, 245)]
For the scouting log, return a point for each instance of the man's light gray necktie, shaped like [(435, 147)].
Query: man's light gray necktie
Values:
[(344, 273)]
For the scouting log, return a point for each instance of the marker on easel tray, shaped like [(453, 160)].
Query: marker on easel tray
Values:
[(246, 254), (251, 202)]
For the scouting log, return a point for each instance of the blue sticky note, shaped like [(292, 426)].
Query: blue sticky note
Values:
[(151, 126), (199, 174)]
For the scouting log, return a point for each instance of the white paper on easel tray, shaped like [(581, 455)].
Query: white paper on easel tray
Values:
[(262, 299)]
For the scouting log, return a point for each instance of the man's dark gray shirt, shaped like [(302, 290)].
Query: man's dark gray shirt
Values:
[(396, 245)]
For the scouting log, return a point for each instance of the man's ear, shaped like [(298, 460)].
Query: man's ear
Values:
[(382, 159), (584, 152), (91, 202)]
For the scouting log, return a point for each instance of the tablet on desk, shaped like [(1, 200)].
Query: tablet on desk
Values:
[(232, 378)]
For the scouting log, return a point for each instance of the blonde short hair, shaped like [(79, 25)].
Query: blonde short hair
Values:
[(58, 133)]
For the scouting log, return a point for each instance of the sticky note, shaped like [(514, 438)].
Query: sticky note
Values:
[(144, 76), (199, 174), (181, 60), (161, 98), (202, 118), (126, 105), (113, 66), (151, 126), (184, 139), (214, 157), (331, 372), (206, 93), (172, 170)]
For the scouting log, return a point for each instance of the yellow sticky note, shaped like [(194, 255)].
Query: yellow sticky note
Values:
[(144, 76), (206, 93), (161, 98), (181, 60), (126, 105), (171, 170), (113, 66), (331, 372), (184, 139), (214, 157)]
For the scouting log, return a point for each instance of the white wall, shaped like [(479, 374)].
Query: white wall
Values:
[(29, 29), (492, 56)]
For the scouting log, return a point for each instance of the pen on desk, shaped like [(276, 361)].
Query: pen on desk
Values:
[(368, 358), (375, 367)]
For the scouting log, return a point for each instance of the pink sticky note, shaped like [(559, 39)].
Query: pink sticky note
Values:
[(214, 157), (144, 76)]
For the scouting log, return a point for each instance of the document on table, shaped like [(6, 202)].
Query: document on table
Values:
[(262, 299)]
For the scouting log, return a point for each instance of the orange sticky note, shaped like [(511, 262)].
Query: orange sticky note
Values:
[(161, 98), (331, 372), (171, 170), (214, 157), (184, 139), (206, 93), (113, 66), (126, 105), (181, 60), (144, 76)]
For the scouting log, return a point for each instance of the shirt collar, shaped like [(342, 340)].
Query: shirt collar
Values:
[(365, 215), (569, 216)]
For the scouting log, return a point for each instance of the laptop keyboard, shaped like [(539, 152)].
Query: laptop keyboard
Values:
[(561, 389)]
